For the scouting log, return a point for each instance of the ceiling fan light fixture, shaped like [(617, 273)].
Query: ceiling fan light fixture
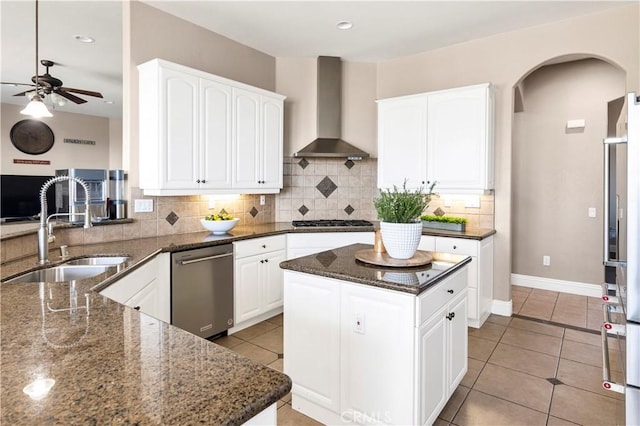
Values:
[(84, 39), (36, 108), (58, 100)]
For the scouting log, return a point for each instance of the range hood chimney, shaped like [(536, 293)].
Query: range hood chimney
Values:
[(329, 112)]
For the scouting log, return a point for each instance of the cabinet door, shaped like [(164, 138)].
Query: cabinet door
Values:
[(273, 280), (272, 139), (457, 341), (457, 138), (312, 338), (402, 142), (377, 326), (248, 289), (179, 134), (246, 137), (432, 367), (147, 301), (215, 136)]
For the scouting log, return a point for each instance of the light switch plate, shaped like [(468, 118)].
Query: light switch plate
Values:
[(591, 212), (143, 206)]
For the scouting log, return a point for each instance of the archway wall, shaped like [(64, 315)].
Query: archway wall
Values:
[(557, 172), (503, 60)]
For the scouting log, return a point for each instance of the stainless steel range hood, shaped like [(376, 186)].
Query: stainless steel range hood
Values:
[(329, 142)]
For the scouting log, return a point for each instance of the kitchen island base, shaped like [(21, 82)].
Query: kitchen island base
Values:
[(362, 354)]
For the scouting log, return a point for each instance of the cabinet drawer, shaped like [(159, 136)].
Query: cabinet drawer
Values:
[(259, 245), (432, 300), (457, 246)]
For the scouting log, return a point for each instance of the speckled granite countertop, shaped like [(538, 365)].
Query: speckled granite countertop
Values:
[(341, 264), (117, 365), (114, 365)]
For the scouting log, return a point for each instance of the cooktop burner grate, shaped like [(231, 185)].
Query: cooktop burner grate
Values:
[(331, 222)]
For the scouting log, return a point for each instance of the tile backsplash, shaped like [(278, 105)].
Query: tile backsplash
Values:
[(314, 188), (327, 188)]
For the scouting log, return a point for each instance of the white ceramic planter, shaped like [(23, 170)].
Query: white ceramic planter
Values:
[(401, 240)]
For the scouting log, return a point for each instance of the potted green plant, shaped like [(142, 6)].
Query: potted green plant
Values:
[(399, 211), (451, 223)]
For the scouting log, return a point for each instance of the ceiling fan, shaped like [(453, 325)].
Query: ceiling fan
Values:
[(47, 84)]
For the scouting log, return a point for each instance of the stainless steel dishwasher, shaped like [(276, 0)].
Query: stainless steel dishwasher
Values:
[(202, 290)]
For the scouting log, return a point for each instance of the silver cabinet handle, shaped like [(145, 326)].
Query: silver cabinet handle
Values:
[(203, 259)]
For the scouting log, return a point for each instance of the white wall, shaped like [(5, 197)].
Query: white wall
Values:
[(61, 155)]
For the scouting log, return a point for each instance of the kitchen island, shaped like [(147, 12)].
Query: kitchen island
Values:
[(371, 344)]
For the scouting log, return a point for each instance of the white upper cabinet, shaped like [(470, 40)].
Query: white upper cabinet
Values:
[(216, 147), (204, 134), (257, 140), (444, 136), (402, 151)]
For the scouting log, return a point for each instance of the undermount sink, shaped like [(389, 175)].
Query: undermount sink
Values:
[(60, 273), (99, 260)]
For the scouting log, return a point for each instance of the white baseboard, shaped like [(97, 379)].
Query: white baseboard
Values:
[(572, 287), (502, 307)]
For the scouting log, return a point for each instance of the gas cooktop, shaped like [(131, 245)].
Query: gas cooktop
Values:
[(331, 222)]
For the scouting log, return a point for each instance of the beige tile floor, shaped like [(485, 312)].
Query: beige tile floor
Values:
[(541, 370)]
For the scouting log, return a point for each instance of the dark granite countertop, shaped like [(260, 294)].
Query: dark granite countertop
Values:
[(341, 264), (118, 365)]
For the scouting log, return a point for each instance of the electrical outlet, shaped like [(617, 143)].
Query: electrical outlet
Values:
[(472, 201), (143, 206), (358, 325), (546, 260), (262, 200)]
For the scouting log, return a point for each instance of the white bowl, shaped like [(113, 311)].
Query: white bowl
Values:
[(219, 227)]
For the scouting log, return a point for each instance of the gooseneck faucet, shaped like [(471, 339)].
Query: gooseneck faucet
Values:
[(45, 233)]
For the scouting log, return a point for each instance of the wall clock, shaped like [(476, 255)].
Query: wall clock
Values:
[(32, 136)]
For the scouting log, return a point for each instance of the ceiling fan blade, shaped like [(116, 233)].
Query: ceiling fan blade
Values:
[(71, 97), (16, 84), (24, 93), (82, 92)]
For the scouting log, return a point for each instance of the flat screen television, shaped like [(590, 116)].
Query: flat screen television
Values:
[(20, 197)]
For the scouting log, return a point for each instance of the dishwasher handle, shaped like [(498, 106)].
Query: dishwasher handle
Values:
[(204, 259)]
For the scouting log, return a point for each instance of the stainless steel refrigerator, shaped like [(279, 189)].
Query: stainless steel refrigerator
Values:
[(621, 291)]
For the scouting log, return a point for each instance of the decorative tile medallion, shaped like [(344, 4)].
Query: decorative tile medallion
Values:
[(223, 211), (303, 210), (439, 212), (349, 209), (554, 381), (172, 218), (253, 212), (326, 187), (349, 164), (303, 163)]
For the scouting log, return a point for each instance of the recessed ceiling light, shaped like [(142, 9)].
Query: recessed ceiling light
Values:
[(344, 25), (108, 102), (84, 39)]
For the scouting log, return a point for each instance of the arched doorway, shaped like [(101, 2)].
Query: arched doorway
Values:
[(557, 171)]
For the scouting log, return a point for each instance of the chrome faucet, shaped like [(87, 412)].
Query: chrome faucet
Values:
[(45, 231)]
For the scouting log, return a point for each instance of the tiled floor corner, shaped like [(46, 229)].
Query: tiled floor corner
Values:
[(542, 370)]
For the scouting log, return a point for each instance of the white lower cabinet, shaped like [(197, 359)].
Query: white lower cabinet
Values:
[(365, 355), (147, 288), (442, 361), (480, 270), (257, 280)]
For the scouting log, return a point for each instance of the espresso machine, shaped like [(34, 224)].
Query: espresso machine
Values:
[(70, 196)]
